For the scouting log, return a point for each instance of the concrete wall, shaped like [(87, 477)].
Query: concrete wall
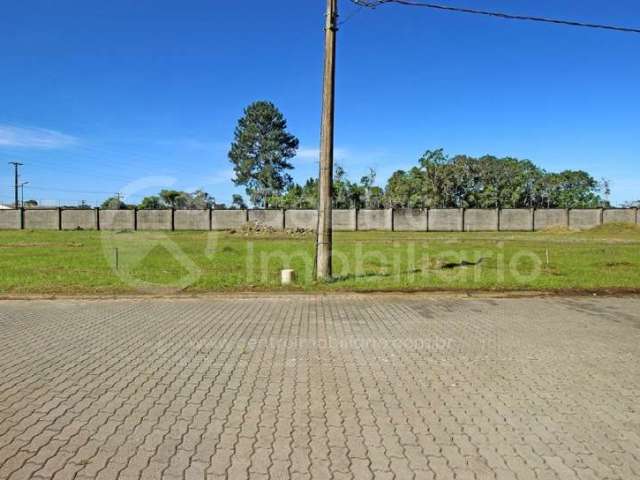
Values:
[(84, 219), (154, 219), (228, 219), (375, 220), (551, 218), (435, 220), (620, 215), (583, 219), (307, 219), (267, 218), (117, 219), (10, 220), (480, 220), (344, 220), (410, 220), (445, 220), (516, 219), (41, 219), (191, 219)]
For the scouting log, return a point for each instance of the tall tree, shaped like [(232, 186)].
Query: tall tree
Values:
[(174, 198), (438, 180), (373, 195), (238, 202), (573, 189), (200, 200), (113, 203), (405, 189), (261, 151), (342, 189), (152, 202), (605, 188)]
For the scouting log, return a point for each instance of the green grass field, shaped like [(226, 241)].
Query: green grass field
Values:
[(101, 263)]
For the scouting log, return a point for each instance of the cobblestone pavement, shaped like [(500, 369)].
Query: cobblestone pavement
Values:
[(321, 387)]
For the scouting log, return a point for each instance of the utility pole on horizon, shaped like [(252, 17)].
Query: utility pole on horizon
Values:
[(324, 234), (16, 177), (22, 193)]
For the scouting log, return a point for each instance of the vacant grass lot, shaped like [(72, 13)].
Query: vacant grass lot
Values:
[(82, 262)]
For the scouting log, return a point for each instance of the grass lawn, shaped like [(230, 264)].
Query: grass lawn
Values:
[(83, 262)]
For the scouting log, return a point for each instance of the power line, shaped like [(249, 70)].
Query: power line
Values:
[(69, 191), (506, 16), (91, 192)]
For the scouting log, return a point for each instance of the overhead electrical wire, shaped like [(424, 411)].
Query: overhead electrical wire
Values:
[(502, 15)]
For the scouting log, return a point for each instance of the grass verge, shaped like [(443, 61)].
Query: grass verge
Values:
[(105, 263)]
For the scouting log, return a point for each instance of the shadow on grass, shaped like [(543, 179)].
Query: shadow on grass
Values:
[(373, 275)]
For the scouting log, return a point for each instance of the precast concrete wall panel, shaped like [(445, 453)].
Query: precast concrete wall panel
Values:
[(80, 219), (35, 219), (10, 219), (481, 220), (445, 220), (191, 219), (267, 218), (304, 219), (410, 220), (585, 219), (154, 219)]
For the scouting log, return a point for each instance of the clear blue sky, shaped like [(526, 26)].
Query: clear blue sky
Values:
[(96, 95)]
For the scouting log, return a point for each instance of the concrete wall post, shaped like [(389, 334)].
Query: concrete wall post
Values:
[(533, 219)]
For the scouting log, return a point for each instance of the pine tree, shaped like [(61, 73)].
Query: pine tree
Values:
[(261, 152)]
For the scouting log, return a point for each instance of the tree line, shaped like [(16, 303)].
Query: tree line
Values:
[(263, 148), (178, 199), (440, 181)]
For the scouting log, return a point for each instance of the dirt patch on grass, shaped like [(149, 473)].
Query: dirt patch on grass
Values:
[(618, 264), (257, 230)]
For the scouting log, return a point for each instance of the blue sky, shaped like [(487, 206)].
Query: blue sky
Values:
[(99, 97)]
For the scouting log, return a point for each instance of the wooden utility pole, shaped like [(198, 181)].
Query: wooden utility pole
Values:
[(325, 234)]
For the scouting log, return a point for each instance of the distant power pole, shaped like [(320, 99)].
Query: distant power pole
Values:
[(324, 242), (15, 183), (22, 193)]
